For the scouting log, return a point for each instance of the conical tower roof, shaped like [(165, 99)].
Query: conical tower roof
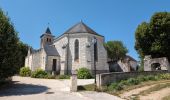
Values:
[(48, 31)]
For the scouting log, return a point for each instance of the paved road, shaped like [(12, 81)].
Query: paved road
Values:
[(26, 88)]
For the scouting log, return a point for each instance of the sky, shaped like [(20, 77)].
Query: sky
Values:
[(114, 19)]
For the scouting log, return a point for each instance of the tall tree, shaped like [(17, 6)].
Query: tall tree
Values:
[(10, 48), (153, 38), (115, 50)]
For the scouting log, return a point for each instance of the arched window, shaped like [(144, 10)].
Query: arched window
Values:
[(47, 39), (76, 50), (95, 52)]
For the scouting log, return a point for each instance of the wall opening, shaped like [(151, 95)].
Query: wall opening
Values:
[(156, 66)]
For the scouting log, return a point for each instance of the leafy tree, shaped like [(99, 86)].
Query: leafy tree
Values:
[(115, 50), (22, 53), (11, 54), (153, 38)]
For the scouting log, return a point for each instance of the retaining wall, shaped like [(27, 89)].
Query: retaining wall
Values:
[(107, 78)]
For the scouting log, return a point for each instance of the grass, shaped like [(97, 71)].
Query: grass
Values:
[(157, 87), (90, 87)]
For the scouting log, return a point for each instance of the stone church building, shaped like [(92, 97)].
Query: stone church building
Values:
[(78, 47)]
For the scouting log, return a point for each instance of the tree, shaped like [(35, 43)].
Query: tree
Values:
[(10, 48), (22, 53), (115, 50), (153, 38)]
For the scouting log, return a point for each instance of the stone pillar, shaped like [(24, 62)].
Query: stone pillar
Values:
[(73, 87)]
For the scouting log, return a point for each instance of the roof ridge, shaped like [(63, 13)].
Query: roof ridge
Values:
[(80, 27)]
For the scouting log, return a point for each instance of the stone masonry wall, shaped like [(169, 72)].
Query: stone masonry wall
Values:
[(107, 78), (86, 54)]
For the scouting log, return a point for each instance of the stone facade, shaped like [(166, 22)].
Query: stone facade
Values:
[(64, 46), (162, 63)]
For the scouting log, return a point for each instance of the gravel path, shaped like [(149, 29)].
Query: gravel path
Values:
[(157, 95), (26, 88), (130, 93)]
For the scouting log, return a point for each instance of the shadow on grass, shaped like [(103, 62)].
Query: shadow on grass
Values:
[(22, 89), (89, 87)]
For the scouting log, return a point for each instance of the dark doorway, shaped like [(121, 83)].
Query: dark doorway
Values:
[(156, 66), (54, 65)]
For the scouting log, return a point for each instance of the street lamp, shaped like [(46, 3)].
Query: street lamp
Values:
[(94, 41)]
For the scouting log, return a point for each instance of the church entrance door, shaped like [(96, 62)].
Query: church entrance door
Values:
[(54, 64)]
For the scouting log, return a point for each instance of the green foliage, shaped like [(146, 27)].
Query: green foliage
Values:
[(133, 81), (164, 76), (84, 73), (25, 71), (117, 86), (64, 76), (115, 50), (39, 73), (22, 53), (12, 52), (152, 38), (8, 47)]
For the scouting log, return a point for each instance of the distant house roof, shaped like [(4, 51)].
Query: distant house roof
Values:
[(130, 58), (80, 28), (127, 57), (51, 50)]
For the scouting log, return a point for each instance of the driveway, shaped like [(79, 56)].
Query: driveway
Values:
[(25, 88)]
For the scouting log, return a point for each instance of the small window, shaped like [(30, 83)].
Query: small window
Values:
[(95, 52), (76, 50), (47, 39)]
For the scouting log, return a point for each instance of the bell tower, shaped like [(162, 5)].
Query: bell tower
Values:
[(46, 38)]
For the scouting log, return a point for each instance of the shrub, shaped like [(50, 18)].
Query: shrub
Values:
[(164, 76), (151, 77), (84, 73), (116, 86), (142, 78), (133, 81), (39, 73), (25, 71)]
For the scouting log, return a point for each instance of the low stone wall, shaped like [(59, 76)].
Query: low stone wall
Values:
[(107, 78)]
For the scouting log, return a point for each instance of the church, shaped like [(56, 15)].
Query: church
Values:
[(78, 47)]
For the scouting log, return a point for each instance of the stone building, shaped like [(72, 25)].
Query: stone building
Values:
[(126, 64), (152, 64), (78, 47)]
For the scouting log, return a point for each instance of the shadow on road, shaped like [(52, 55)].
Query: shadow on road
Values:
[(22, 89)]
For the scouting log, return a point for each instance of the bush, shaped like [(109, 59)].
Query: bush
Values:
[(84, 73), (25, 71), (151, 77), (164, 76), (116, 86), (39, 73), (133, 81), (142, 78)]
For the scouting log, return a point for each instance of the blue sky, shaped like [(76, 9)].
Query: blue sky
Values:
[(114, 19)]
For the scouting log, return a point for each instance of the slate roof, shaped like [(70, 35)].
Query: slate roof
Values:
[(51, 50), (48, 30), (80, 28)]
